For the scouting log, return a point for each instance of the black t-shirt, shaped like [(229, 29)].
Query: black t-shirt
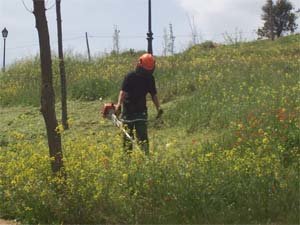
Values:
[(137, 86)]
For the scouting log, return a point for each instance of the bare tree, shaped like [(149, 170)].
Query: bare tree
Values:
[(234, 38), (47, 91), (63, 80)]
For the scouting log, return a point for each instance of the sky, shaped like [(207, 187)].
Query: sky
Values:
[(212, 18)]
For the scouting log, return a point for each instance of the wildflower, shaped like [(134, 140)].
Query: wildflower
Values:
[(59, 129), (257, 142), (125, 177), (266, 141), (28, 208), (105, 162), (240, 126), (70, 121), (281, 115), (209, 155), (168, 145)]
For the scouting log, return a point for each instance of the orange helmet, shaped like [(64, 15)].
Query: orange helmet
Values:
[(147, 61)]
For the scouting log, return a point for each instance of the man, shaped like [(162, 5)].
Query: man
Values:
[(135, 87)]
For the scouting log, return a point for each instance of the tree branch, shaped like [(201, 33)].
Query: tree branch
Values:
[(25, 6), (51, 5)]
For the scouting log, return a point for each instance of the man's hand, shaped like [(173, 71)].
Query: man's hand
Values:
[(118, 109), (159, 113)]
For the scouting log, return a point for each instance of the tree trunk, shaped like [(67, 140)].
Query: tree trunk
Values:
[(47, 91), (63, 81), (272, 24)]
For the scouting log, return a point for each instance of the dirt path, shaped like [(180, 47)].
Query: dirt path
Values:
[(5, 222)]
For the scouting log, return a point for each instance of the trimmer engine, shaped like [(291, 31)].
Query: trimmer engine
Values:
[(108, 110)]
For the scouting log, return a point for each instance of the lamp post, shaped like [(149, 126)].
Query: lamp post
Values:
[(4, 35), (149, 34)]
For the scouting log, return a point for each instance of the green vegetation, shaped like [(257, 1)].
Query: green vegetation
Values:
[(227, 150)]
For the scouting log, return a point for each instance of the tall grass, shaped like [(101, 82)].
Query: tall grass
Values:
[(226, 152), (178, 185)]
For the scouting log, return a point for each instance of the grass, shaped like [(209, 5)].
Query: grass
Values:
[(226, 151)]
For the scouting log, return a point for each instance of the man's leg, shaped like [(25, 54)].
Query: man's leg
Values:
[(127, 144), (142, 135)]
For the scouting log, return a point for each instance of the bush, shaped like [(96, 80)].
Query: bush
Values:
[(92, 89), (186, 185)]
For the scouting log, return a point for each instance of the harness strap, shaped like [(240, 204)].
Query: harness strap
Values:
[(132, 121)]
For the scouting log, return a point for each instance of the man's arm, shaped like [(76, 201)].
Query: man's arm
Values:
[(156, 102), (157, 105), (121, 98)]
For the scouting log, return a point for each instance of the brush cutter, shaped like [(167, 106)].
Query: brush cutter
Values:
[(109, 112)]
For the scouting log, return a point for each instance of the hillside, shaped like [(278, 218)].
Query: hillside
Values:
[(226, 150)]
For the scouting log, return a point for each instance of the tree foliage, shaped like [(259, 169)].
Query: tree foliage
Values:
[(279, 18)]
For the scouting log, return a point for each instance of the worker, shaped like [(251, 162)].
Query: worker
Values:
[(132, 100)]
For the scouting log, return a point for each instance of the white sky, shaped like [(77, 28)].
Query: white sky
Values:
[(98, 17)]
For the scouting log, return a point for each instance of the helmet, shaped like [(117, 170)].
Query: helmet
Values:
[(147, 62)]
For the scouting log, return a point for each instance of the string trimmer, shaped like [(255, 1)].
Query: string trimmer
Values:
[(109, 112)]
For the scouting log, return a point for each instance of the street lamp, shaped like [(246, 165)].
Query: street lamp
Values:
[(149, 34), (4, 35)]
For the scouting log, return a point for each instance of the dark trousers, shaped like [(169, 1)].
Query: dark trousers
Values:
[(140, 128)]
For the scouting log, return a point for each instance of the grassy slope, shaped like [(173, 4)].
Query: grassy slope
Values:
[(210, 97)]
